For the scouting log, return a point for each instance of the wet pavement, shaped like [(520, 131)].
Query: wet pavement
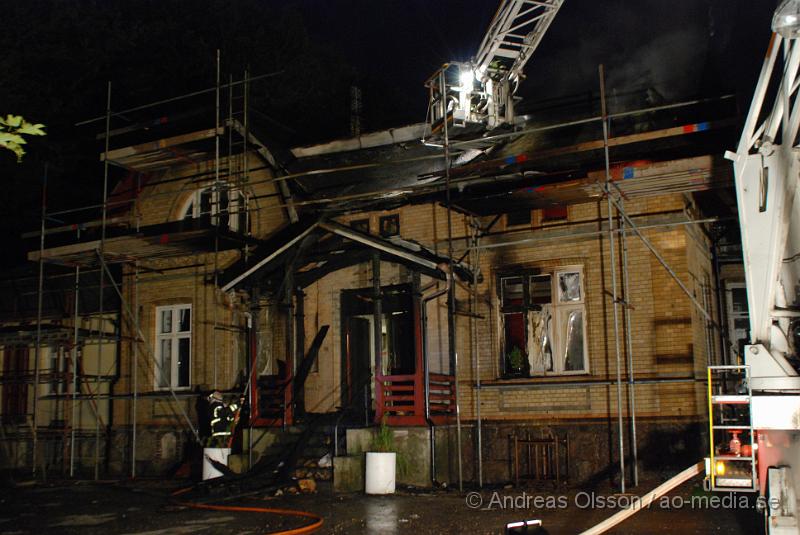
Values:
[(145, 508)]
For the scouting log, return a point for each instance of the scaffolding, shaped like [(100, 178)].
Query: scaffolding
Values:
[(127, 252), (231, 142)]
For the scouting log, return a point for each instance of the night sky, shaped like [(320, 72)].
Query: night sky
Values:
[(58, 56)]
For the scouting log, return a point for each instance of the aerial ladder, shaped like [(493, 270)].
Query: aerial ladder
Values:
[(480, 93), (754, 405)]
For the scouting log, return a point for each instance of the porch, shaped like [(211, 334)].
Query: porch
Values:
[(377, 336)]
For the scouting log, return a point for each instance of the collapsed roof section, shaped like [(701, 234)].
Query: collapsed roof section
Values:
[(392, 167), (654, 150), (532, 166)]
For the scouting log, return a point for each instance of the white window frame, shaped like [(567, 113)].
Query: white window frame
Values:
[(237, 203), (173, 338), (560, 315)]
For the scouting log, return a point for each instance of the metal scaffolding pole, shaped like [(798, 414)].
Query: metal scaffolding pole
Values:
[(216, 189), (475, 348), (596, 233), (74, 417), (38, 352), (626, 218), (102, 286), (451, 296), (614, 295), (134, 369), (245, 175), (629, 351), (122, 113)]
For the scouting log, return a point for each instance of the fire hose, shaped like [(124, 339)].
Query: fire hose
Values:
[(316, 521)]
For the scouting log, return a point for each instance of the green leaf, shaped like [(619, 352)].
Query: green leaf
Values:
[(12, 128), (13, 147), (13, 120), (11, 138), (31, 129)]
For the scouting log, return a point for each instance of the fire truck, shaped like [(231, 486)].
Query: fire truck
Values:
[(754, 405)]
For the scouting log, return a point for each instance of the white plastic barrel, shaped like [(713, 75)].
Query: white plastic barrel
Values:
[(218, 454), (380, 474)]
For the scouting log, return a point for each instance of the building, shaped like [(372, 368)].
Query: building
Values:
[(484, 303)]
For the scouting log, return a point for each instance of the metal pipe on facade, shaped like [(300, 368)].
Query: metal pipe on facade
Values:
[(377, 322), (426, 387), (614, 295), (426, 369), (38, 352)]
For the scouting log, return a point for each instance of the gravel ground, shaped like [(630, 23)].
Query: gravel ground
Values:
[(145, 508)]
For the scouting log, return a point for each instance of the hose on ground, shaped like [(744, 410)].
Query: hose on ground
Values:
[(309, 528)]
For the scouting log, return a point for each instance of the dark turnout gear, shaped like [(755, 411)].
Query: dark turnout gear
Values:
[(222, 415)]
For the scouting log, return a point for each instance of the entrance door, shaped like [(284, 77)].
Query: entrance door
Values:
[(359, 363), (358, 343)]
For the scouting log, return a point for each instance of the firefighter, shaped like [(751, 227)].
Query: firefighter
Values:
[(222, 416)]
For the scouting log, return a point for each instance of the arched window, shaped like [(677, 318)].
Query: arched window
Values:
[(219, 204)]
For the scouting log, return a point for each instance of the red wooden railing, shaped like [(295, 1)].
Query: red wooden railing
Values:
[(402, 399), (272, 406)]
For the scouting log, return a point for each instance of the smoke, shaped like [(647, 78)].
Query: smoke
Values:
[(662, 47), (669, 65)]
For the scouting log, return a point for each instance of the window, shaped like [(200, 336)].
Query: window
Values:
[(554, 213), (389, 225), (543, 317), (361, 225), (220, 205), (522, 217), (173, 346)]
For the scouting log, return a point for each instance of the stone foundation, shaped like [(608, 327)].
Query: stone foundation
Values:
[(664, 448)]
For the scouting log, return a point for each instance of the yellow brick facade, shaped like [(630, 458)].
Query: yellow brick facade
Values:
[(668, 336), (218, 341), (669, 339)]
